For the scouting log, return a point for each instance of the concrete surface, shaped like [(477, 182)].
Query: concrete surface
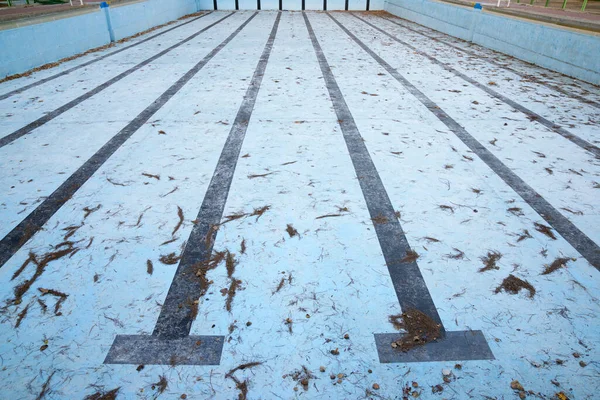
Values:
[(289, 159)]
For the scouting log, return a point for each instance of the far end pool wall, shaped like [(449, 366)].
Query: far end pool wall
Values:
[(353, 5), (563, 50), (30, 46)]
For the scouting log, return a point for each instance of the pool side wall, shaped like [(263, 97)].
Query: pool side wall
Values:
[(569, 51), (25, 47)]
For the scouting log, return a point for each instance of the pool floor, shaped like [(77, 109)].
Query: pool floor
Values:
[(320, 205)]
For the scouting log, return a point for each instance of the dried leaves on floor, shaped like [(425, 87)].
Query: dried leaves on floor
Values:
[(420, 329), (513, 285)]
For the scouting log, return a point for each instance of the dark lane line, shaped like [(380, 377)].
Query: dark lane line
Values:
[(409, 285), (584, 144), (29, 226), (66, 107), (170, 337), (494, 62), (579, 240), (85, 64)]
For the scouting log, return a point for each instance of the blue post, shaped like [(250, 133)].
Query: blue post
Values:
[(105, 8)]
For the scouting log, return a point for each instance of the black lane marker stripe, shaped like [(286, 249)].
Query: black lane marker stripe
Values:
[(346, 5), (584, 144), (579, 240), (66, 107), (500, 65), (303, 5), (176, 316), (408, 282), (215, 5), (85, 64), (258, 4), (237, 4), (280, 4), (324, 5), (16, 238), (174, 321), (368, 5)]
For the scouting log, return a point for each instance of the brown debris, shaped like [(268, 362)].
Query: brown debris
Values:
[(253, 176), (524, 235), (411, 256), (21, 315), (22, 267), (42, 305), (88, 210), (431, 239), (149, 267), (513, 285), (282, 283), (289, 322), (61, 298), (233, 217), (329, 216), (379, 219), (243, 246), (516, 211), (489, 261), (193, 306), (45, 386), (458, 256), (230, 264), (556, 264), (242, 386), (258, 212), (101, 395), (21, 289), (233, 287), (71, 231), (161, 385), (571, 211), (546, 230), (205, 266), (445, 207), (169, 259), (180, 215), (420, 328), (303, 376), (396, 321), (157, 177), (291, 230)]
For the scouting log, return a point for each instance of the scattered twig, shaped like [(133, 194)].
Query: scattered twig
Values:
[(180, 215), (489, 261), (556, 264), (149, 267), (546, 230)]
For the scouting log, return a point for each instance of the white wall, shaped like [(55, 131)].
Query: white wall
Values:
[(559, 49)]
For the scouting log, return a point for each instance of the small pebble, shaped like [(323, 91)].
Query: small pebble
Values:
[(346, 336), (322, 368), (446, 372), (375, 386)]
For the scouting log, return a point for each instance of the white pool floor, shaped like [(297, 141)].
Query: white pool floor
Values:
[(311, 151)]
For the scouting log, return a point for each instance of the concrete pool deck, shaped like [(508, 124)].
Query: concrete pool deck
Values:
[(250, 205)]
